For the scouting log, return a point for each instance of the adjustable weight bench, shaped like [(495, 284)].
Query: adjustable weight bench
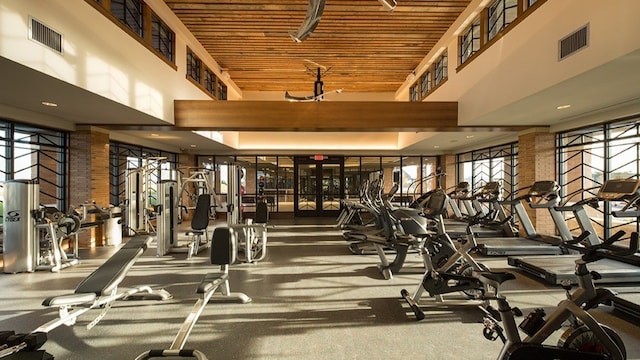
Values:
[(223, 253), (100, 288)]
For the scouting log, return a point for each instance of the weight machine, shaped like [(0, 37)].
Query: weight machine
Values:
[(169, 211), (250, 236), (33, 234), (203, 181), (141, 195)]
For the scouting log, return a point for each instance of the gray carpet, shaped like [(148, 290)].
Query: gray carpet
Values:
[(312, 299)]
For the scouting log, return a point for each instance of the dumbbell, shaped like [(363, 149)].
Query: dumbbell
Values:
[(23, 342)]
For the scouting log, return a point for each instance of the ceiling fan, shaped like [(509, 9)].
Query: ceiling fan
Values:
[(318, 85), (314, 13)]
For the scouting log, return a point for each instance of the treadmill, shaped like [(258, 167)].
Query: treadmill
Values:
[(542, 194), (557, 270), (457, 228)]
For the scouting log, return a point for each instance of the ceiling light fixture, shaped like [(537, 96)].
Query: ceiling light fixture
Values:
[(155, 135), (561, 107), (193, 145), (470, 136), (48, 103)]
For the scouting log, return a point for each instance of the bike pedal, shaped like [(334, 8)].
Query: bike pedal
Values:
[(516, 311)]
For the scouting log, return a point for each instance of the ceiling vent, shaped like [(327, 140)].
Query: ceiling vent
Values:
[(45, 35), (573, 42)]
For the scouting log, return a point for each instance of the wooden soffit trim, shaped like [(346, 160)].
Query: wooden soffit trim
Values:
[(320, 116)]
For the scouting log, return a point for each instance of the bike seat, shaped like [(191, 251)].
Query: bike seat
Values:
[(497, 277)]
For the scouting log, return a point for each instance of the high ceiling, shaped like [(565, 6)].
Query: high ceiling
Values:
[(363, 47)]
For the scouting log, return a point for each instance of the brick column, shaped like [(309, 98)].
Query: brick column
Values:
[(89, 178), (448, 166), (537, 162)]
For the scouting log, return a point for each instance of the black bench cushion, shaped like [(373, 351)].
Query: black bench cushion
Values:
[(107, 277)]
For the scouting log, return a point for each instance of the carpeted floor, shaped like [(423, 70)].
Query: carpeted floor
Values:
[(312, 299)]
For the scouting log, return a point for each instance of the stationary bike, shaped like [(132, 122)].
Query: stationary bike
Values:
[(585, 338), (449, 269)]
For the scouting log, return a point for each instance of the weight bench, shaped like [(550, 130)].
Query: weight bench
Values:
[(100, 288), (223, 253)]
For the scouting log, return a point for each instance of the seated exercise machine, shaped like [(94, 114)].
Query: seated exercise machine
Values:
[(584, 338), (223, 253), (33, 234), (450, 269), (167, 222), (402, 230), (99, 290), (250, 235)]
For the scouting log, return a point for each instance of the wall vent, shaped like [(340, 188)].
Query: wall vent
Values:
[(573, 42), (45, 35)]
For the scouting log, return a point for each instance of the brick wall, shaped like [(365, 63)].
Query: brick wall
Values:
[(448, 166), (537, 162), (89, 177)]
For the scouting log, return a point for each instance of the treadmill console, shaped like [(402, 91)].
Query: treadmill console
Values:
[(542, 188), (463, 187), (618, 189), (492, 187)]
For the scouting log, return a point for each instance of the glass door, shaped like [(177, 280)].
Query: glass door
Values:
[(319, 185)]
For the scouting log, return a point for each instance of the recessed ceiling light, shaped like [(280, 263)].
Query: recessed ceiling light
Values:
[(193, 145), (48, 103), (436, 146), (155, 135), (470, 136), (566, 106)]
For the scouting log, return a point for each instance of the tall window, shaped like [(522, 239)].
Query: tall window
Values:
[(194, 66), (425, 83), (123, 157), (588, 157), (470, 41), (222, 91), (210, 82), (129, 12), (440, 69), (498, 163), (162, 37), (501, 14), (414, 92), (31, 153)]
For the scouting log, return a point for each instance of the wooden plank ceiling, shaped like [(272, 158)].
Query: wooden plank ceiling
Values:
[(364, 47)]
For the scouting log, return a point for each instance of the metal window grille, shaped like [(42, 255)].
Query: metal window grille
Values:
[(588, 157), (129, 12), (162, 37)]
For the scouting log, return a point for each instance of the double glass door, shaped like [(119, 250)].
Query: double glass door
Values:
[(319, 185)]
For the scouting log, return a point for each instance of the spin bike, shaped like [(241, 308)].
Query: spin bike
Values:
[(450, 269), (585, 338)]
